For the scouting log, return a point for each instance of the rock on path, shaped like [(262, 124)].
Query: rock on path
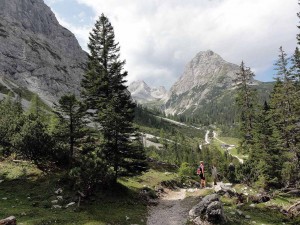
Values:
[(169, 210)]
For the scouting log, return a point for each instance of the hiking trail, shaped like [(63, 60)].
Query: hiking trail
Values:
[(170, 210)]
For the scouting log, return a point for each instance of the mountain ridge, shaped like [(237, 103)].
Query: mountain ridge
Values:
[(143, 93)]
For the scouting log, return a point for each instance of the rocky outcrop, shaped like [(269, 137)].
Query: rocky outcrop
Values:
[(9, 221), (208, 211), (36, 52)]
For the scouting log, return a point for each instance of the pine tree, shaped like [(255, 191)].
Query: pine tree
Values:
[(268, 153), (295, 69), (246, 101), (33, 141), (11, 121), (71, 113), (109, 102), (284, 110)]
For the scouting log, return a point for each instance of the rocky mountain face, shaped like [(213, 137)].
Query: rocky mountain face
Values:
[(36, 52), (205, 77), (142, 93)]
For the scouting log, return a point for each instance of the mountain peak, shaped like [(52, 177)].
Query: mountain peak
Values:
[(203, 75), (141, 92)]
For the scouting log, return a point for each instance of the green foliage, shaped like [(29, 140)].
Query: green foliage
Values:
[(33, 142), (246, 100), (90, 169), (71, 126), (11, 121), (186, 170), (109, 103)]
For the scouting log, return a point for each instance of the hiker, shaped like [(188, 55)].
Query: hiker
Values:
[(214, 174), (200, 172)]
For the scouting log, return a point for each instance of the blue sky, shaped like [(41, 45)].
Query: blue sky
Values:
[(158, 38)]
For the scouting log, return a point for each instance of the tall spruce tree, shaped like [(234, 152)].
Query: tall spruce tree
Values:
[(246, 101), (109, 102), (268, 151), (284, 103)]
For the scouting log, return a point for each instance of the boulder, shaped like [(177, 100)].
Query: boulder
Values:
[(259, 198), (201, 207), (208, 211), (223, 189), (215, 213), (9, 221)]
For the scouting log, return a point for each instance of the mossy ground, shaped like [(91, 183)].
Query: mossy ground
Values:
[(263, 213), (26, 193)]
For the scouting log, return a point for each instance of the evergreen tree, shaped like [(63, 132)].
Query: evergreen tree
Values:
[(11, 121), (71, 113), (267, 157), (284, 104), (33, 141), (246, 101), (89, 168), (109, 102), (295, 69)]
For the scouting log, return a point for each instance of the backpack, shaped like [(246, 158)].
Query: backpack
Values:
[(199, 170)]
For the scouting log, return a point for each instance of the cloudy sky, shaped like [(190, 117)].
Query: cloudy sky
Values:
[(159, 37)]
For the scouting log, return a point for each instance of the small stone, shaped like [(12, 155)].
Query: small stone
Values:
[(70, 204), (233, 213), (1, 181), (60, 197), (248, 217), (56, 206), (58, 191), (54, 201), (252, 205), (5, 198), (239, 212), (254, 222), (127, 217)]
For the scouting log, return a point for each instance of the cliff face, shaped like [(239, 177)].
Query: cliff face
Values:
[(36, 52), (205, 77)]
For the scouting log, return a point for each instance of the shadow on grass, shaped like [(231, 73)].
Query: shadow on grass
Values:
[(32, 201)]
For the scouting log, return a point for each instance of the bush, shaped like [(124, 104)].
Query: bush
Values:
[(186, 170)]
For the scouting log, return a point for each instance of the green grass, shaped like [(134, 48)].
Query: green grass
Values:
[(231, 141), (26, 193), (149, 179)]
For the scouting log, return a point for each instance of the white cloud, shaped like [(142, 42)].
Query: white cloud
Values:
[(158, 38)]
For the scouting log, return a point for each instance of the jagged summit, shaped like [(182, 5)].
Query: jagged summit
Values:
[(142, 93), (206, 67), (36, 52)]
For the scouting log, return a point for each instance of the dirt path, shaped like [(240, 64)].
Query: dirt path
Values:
[(170, 210)]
